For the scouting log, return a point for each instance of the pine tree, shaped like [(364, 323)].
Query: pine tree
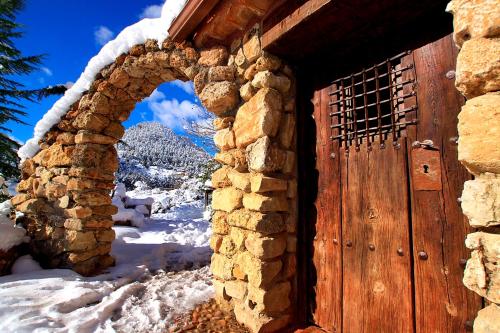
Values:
[(12, 92)]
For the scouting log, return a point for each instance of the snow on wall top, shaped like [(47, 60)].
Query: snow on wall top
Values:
[(137, 33)]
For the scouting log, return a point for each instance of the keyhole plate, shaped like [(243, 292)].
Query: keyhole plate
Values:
[(426, 169)]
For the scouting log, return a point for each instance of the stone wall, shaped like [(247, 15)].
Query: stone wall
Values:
[(477, 34), (254, 221), (65, 187)]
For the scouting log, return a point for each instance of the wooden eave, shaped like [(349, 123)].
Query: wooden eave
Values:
[(190, 17)]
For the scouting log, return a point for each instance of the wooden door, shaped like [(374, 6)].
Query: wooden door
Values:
[(388, 240)]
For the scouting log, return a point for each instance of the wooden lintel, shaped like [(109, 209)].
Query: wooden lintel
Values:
[(189, 18), (301, 14)]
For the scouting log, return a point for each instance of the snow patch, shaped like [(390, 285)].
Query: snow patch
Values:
[(138, 33), (161, 272)]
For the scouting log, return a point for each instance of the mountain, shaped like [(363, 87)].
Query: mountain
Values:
[(153, 154)]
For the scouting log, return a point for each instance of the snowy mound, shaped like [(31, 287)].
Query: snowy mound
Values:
[(153, 154), (137, 33), (10, 235), (130, 210)]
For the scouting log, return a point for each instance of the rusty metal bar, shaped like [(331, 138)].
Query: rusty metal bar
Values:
[(354, 114), (391, 92), (387, 129), (344, 115), (379, 111), (398, 86), (397, 99), (398, 113), (365, 102), (373, 109), (381, 76)]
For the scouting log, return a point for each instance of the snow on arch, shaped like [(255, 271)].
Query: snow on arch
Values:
[(137, 33)]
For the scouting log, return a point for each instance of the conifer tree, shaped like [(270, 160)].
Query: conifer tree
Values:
[(12, 93)]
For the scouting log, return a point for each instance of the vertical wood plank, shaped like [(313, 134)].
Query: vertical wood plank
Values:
[(377, 280), (327, 256), (442, 303)]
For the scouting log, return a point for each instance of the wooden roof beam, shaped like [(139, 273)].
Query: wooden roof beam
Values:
[(292, 21), (189, 18)]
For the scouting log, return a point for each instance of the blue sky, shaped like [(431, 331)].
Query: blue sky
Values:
[(70, 33)]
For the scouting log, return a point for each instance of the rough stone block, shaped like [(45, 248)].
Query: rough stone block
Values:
[(220, 97), (55, 156), (92, 198), (481, 200), (227, 199), (215, 242), (235, 158), (227, 247), (265, 247), (78, 212), (275, 299), (240, 180), (119, 78), (221, 73), (261, 183), (88, 137), (247, 91), (250, 72), (220, 178), (262, 203), (478, 67), (238, 237), (488, 320), (115, 130), (91, 121), (106, 210), (219, 223), (236, 289), (34, 206), (479, 134), (224, 139), (215, 56), (267, 79), (25, 185), (221, 123), (221, 266), (260, 273), (262, 156), (256, 221), (66, 138), (19, 199), (474, 19), (482, 273), (80, 240), (259, 323), (258, 117), (219, 288), (268, 62), (251, 48)]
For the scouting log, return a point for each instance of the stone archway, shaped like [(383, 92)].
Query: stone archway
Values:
[(65, 187)]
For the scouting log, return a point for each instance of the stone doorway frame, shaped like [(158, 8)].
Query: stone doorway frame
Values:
[(65, 188)]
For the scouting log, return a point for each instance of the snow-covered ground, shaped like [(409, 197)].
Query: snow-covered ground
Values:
[(161, 272)]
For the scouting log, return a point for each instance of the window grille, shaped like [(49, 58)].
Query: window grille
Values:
[(370, 106)]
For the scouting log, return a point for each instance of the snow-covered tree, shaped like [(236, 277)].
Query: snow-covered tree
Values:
[(12, 92), (152, 153)]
